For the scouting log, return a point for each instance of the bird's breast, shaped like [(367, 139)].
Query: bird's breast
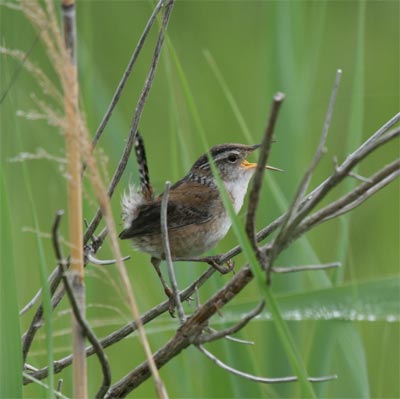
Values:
[(237, 193)]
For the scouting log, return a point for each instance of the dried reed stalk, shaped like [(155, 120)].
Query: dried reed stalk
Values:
[(75, 217)]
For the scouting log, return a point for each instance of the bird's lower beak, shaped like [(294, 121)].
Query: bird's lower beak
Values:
[(250, 165)]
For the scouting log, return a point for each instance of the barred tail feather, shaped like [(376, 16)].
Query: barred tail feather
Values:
[(147, 189)]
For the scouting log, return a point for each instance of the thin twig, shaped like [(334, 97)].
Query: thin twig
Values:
[(59, 385), (204, 338), (358, 177), (167, 253), (92, 259), (87, 331), (342, 171), (368, 193), (302, 268), (19, 69), (37, 320), (352, 199), (47, 387), (36, 297), (265, 148), (255, 378), (127, 72), (382, 130)]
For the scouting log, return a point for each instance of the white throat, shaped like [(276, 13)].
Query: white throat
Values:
[(237, 189)]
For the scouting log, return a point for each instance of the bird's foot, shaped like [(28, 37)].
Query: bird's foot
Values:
[(171, 301), (215, 262)]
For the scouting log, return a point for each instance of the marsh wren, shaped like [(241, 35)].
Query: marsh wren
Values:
[(196, 217)]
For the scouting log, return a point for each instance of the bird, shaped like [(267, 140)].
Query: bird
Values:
[(196, 216)]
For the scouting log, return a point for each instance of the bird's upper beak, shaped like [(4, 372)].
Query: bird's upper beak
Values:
[(249, 165)]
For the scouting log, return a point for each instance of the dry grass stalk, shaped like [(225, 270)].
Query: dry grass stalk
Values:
[(75, 214)]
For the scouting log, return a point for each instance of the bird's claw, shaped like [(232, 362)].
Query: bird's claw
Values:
[(222, 269)]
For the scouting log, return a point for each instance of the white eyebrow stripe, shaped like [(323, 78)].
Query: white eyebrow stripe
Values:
[(226, 154)]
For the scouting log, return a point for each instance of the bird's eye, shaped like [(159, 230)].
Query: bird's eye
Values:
[(232, 158)]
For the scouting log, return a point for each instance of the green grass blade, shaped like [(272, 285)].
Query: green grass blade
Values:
[(355, 129), (377, 301), (10, 124), (43, 271), (10, 342)]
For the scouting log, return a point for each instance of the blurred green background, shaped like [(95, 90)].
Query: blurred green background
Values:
[(259, 47)]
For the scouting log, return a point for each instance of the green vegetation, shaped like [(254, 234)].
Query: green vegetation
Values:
[(234, 55)]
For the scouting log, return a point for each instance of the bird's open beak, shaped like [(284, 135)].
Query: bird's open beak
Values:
[(249, 165)]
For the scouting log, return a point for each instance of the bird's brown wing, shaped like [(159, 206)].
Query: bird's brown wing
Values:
[(185, 207)]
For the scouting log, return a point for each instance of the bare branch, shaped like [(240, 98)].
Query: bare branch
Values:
[(378, 186), (259, 173), (203, 338), (342, 171), (390, 123), (352, 199), (167, 254), (255, 378)]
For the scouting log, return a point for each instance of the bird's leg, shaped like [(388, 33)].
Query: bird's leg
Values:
[(156, 263), (214, 261)]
